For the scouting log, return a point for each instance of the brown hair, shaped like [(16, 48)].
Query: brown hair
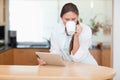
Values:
[(67, 8)]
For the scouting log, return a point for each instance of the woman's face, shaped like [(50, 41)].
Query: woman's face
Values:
[(69, 16)]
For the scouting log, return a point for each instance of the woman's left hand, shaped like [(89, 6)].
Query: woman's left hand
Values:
[(78, 30)]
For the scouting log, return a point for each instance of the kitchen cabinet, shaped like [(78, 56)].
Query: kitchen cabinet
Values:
[(106, 57), (26, 56), (96, 53), (18, 56), (6, 57), (102, 56)]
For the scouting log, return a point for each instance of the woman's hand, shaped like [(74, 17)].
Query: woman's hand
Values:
[(78, 30), (41, 62)]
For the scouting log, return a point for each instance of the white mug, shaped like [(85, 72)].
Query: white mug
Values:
[(70, 26)]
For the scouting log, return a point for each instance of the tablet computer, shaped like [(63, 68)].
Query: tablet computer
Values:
[(51, 59)]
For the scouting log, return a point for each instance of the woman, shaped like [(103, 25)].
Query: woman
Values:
[(71, 45)]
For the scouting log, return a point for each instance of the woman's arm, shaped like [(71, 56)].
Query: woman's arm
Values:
[(84, 42), (54, 48), (76, 43)]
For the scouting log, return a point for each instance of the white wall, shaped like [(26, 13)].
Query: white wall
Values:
[(116, 39), (101, 8), (91, 8)]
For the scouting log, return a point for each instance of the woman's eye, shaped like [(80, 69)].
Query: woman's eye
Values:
[(73, 19), (67, 19)]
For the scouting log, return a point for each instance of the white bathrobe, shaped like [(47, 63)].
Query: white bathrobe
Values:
[(60, 44)]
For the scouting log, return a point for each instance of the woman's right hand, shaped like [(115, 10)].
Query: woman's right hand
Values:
[(78, 30), (41, 62)]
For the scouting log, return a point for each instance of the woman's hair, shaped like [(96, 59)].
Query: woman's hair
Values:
[(69, 7)]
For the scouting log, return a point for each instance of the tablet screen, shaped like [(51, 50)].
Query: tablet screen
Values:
[(51, 59)]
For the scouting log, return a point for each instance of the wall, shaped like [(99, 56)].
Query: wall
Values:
[(88, 9), (116, 39), (1, 12)]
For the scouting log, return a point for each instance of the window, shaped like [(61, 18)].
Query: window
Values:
[(32, 20)]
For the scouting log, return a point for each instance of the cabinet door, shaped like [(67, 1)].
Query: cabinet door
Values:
[(97, 55), (1, 58), (106, 57), (6, 58), (26, 56)]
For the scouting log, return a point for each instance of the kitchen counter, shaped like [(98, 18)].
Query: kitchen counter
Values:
[(4, 48), (72, 71)]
